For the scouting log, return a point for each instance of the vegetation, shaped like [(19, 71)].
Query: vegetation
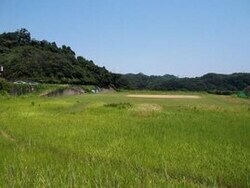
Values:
[(110, 140), (247, 91), (28, 59), (119, 105), (213, 83), (4, 85), (24, 58)]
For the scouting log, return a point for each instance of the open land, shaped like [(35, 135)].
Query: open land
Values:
[(112, 140), (166, 96)]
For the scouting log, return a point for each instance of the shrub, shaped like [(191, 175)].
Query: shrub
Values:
[(221, 92), (4, 85), (20, 89), (119, 105), (247, 91)]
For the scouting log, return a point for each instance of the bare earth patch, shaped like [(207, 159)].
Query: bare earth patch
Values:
[(166, 96)]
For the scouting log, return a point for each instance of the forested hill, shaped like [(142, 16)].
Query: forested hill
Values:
[(28, 59), (24, 58), (210, 82)]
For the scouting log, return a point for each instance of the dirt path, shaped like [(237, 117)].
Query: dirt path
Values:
[(166, 96), (7, 136)]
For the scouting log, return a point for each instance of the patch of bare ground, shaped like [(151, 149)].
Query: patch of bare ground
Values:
[(7, 136), (166, 96)]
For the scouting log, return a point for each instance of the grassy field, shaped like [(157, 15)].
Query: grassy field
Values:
[(110, 140)]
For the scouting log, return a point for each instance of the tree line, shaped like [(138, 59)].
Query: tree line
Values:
[(25, 58), (211, 82)]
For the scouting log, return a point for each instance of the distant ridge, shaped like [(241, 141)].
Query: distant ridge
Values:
[(24, 58), (208, 82)]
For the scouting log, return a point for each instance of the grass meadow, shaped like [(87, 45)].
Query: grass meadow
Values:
[(110, 140)]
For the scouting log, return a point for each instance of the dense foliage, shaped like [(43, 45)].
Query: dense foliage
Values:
[(25, 59), (213, 83), (247, 91), (4, 85)]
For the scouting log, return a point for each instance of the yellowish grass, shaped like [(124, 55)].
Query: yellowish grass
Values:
[(146, 109)]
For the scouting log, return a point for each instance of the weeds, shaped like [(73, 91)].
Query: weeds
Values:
[(85, 141), (121, 105)]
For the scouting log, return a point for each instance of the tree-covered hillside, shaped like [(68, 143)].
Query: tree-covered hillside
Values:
[(24, 58), (210, 82)]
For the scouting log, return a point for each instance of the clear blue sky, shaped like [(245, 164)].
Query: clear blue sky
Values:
[(180, 37)]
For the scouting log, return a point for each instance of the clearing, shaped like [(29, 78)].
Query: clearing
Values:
[(166, 96)]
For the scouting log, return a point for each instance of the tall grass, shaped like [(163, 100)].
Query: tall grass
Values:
[(92, 141)]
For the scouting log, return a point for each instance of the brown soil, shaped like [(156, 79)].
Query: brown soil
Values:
[(166, 96)]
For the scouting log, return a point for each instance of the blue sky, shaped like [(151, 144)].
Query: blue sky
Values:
[(180, 37)]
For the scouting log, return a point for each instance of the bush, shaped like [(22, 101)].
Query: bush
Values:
[(119, 105), (247, 91), (20, 89), (221, 92), (4, 85), (241, 94)]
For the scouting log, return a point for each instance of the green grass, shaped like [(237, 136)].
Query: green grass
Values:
[(109, 140)]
